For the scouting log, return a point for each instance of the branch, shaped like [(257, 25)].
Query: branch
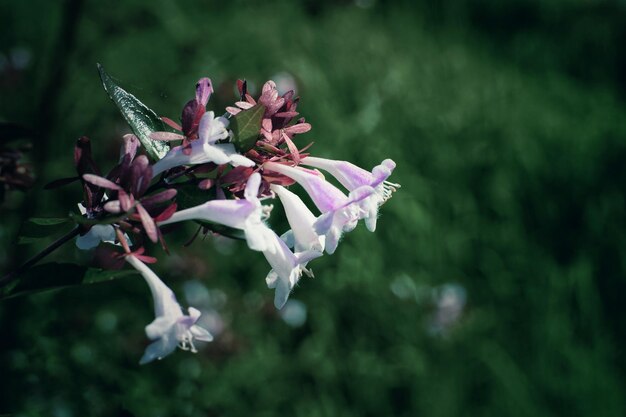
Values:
[(32, 261)]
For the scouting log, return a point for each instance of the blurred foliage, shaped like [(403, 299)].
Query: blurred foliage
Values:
[(493, 284)]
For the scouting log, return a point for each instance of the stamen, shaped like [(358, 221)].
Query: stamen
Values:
[(192, 346), (265, 211), (387, 189), (308, 272)]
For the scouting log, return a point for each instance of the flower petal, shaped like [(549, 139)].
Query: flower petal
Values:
[(288, 238), (131, 143), (171, 123), (252, 187), (257, 236), (159, 326), (293, 149), (301, 220), (167, 213), (194, 313), (287, 268), (87, 241), (158, 350), (113, 206), (166, 136), (101, 182), (233, 110), (200, 333), (244, 105), (326, 196), (159, 197), (281, 293), (212, 129), (204, 88), (298, 128), (148, 223), (235, 158)]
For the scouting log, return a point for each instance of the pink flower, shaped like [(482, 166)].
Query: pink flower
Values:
[(302, 236), (340, 213), (246, 214), (287, 268), (204, 149)]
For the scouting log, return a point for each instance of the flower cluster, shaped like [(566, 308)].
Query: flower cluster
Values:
[(122, 193), (234, 181)]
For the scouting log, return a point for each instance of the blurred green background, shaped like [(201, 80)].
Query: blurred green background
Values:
[(494, 284)]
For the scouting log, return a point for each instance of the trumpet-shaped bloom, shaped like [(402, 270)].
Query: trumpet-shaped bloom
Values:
[(204, 149), (302, 236), (353, 177), (245, 214), (340, 213), (171, 327), (287, 268)]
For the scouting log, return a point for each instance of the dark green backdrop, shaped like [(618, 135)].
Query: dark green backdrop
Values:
[(494, 284)]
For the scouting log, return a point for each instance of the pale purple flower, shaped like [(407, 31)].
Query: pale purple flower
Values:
[(204, 149), (246, 214), (171, 328), (340, 213), (302, 236), (353, 177), (287, 268)]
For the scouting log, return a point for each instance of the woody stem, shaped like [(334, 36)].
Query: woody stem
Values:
[(32, 261)]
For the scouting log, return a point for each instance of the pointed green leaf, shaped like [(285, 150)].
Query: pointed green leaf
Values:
[(140, 118), (97, 275), (48, 221), (54, 275), (37, 228), (246, 126), (189, 195), (26, 240)]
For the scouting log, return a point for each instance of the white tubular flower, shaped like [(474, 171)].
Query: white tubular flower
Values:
[(287, 268), (246, 214), (204, 149), (340, 213), (301, 220), (170, 328), (353, 177)]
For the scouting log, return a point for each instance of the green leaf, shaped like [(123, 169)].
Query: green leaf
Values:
[(54, 275), (48, 221), (37, 228), (96, 275), (246, 126), (189, 195), (140, 118)]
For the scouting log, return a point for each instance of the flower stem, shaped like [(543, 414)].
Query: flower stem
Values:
[(32, 261)]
